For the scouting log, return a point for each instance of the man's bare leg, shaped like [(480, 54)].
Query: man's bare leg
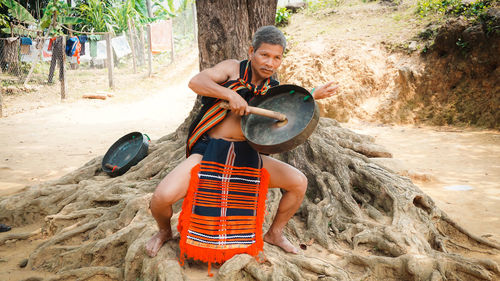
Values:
[(295, 183), (171, 189)]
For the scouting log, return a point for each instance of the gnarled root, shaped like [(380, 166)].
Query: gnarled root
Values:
[(357, 222)]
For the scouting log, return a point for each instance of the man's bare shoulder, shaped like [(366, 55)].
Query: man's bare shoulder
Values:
[(230, 68)]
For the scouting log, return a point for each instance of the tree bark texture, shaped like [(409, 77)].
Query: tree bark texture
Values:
[(225, 30), (359, 221)]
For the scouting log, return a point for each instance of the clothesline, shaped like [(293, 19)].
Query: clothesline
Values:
[(65, 27), (27, 29), (84, 32)]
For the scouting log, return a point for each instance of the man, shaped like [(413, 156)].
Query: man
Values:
[(218, 83)]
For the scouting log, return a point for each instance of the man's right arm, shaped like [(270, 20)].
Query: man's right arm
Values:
[(207, 83)]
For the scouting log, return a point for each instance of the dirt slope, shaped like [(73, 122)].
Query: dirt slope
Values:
[(354, 44)]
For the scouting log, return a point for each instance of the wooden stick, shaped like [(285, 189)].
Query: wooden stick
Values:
[(172, 50), (109, 166), (132, 43), (95, 96), (38, 56), (62, 76), (1, 99), (109, 53), (150, 55), (260, 111)]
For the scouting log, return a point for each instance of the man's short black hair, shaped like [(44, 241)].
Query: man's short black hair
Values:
[(268, 34)]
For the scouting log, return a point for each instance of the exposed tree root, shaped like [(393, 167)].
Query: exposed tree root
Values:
[(366, 223), (478, 239), (19, 236)]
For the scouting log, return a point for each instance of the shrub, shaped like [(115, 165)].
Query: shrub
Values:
[(282, 16), (454, 7)]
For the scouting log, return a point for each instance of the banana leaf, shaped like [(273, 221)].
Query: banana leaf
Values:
[(18, 11)]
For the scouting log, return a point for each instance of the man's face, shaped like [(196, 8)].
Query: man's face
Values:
[(266, 59)]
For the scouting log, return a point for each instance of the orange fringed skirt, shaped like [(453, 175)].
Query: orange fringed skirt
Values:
[(223, 210)]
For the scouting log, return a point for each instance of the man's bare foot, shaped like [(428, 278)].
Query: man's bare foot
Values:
[(279, 240), (154, 244)]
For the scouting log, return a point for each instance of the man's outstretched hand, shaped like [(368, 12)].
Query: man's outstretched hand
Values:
[(325, 91)]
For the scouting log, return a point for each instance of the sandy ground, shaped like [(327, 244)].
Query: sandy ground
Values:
[(48, 142), (458, 168)]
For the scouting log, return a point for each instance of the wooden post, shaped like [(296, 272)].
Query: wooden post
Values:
[(141, 44), (172, 51), (109, 54), (150, 55), (62, 75), (131, 33), (1, 100)]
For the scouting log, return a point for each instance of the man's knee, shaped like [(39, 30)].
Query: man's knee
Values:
[(301, 183), (162, 197)]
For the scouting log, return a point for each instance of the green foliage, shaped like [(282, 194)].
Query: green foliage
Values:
[(119, 12), (64, 15), (4, 20), (104, 15), (183, 6), (462, 44), (318, 5), (161, 12), (61, 9), (141, 8), (94, 16), (489, 23), (91, 15), (282, 16), (427, 34), (17, 11), (454, 7)]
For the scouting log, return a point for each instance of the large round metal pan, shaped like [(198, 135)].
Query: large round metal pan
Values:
[(270, 136), (125, 153)]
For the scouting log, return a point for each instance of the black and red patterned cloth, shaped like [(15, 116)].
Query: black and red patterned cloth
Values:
[(223, 210), (212, 114)]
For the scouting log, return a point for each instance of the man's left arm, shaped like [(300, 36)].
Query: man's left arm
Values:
[(325, 91)]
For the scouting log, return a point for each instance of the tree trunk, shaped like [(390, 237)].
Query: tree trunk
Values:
[(358, 221), (225, 30)]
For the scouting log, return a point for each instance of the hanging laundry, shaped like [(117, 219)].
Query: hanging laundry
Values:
[(83, 39), (46, 53), (73, 48), (101, 50), (26, 43), (85, 57), (93, 44), (121, 46), (161, 36), (51, 43), (57, 59), (31, 55)]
